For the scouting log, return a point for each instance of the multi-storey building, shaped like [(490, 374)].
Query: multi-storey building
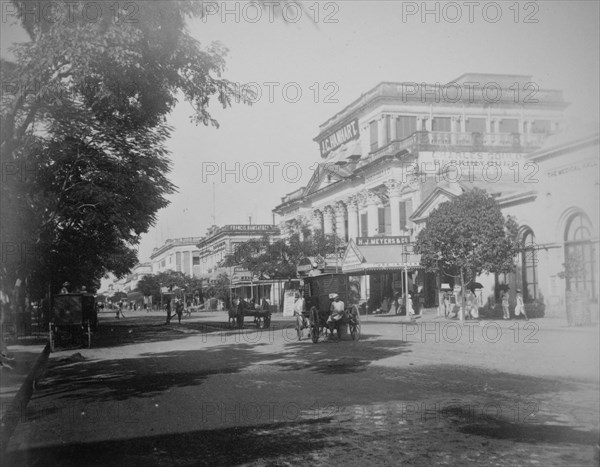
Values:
[(177, 254), (222, 241), (393, 154)]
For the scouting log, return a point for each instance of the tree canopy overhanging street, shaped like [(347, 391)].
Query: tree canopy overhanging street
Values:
[(83, 109)]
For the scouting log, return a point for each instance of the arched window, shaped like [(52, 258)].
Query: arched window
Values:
[(529, 274), (580, 256)]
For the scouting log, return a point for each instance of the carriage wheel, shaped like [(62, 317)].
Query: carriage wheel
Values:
[(51, 339), (355, 331), (89, 336), (355, 323), (314, 325), (240, 321), (298, 328)]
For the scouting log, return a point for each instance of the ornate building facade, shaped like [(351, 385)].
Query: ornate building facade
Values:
[(393, 154)]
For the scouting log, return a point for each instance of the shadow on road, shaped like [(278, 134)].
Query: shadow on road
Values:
[(229, 446)]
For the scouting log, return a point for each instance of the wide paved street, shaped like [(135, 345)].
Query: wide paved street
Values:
[(433, 393)]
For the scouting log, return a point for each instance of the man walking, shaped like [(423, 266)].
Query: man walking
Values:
[(179, 309), (520, 306), (168, 307), (505, 311)]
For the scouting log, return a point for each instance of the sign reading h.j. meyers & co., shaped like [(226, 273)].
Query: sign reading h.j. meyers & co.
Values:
[(380, 241)]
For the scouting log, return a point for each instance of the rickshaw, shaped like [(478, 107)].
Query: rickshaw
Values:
[(319, 293), (73, 318), (262, 318)]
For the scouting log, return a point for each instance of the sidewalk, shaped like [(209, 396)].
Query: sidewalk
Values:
[(17, 384)]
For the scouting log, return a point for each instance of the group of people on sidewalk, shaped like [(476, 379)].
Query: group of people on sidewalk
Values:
[(519, 306), (472, 307)]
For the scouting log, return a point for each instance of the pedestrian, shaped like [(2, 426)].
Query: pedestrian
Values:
[(520, 306), (505, 311), (473, 311), (395, 306), (301, 320), (120, 310), (409, 306), (446, 304), (168, 308), (64, 288), (179, 309)]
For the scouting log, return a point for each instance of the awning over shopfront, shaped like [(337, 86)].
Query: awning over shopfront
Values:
[(379, 257)]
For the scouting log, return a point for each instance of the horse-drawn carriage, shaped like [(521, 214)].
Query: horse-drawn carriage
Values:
[(73, 318), (319, 294), (240, 309)]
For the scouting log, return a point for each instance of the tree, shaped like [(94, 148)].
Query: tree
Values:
[(150, 285), (220, 289), (468, 236), (83, 133), (279, 258)]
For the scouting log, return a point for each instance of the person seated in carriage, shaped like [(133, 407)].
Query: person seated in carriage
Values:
[(336, 311)]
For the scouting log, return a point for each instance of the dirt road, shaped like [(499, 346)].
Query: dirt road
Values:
[(432, 393)]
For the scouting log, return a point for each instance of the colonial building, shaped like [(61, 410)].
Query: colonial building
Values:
[(390, 157), (223, 241), (559, 227), (177, 254)]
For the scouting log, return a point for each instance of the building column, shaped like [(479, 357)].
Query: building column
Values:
[(453, 129), (328, 220), (393, 122), (394, 187), (317, 221), (340, 220), (352, 207), (381, 131), (372, 201)]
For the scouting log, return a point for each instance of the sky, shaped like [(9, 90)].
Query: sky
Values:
[(326, 59)]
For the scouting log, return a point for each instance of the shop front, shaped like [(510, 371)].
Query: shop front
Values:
[(389, 273), (254, 288)]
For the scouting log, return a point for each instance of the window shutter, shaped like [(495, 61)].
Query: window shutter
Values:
[(402, 206), (405, 126), (409, 211), (388, 219), (373, 135), (381, 218), (364, 228)]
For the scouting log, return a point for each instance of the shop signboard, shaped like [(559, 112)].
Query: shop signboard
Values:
[(342, 135), (382, 241)]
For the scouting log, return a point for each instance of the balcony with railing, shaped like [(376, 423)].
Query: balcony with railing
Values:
[(461, 142)]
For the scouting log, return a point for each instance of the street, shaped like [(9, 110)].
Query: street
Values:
[(435, 392)]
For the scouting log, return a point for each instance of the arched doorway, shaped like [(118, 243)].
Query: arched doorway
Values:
[(528, 262), (580, 256)]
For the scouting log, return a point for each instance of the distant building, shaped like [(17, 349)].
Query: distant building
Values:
[(222, 241), (177, 254)]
